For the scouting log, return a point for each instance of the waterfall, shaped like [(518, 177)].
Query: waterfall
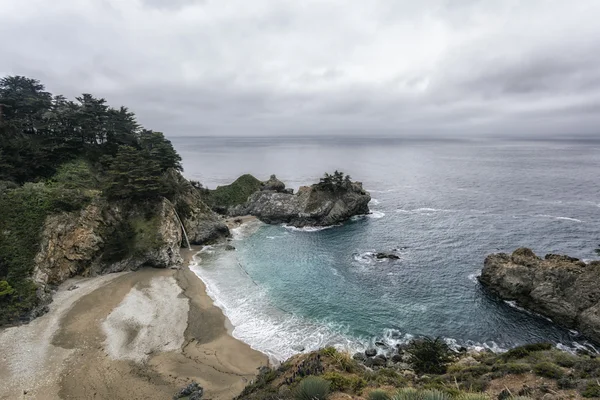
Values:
[(187, 241)]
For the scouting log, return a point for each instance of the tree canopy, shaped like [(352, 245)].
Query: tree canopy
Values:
[(57, 155), (40, 132)]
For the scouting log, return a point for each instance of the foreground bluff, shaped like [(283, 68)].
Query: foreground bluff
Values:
[(320, 204), (562, 288)]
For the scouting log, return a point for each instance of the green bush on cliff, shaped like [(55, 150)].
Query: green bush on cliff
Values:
[(429, 356), (21, 220), (312, 388), (236, 193)]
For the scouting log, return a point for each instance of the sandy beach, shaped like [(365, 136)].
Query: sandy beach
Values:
[(131, 335)]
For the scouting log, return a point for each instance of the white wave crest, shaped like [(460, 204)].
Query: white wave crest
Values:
[(374, 214), (308, 228), (423, 211), (257, 321), (374, 202), (473, 277), (560, 218)]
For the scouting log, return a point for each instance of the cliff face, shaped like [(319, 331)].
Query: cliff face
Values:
[(562, 288), (201, 223), (113, 236), (311, 206), (107, 237)]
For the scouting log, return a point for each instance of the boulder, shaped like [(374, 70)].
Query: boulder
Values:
[(229, 247), (397, 358), (559, 287), (360, 357), (370, 352), (379, 361)]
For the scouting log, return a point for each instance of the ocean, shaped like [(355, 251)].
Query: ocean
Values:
[(442, 204)]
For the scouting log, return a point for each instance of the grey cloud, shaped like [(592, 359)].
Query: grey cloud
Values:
[(273, 67)]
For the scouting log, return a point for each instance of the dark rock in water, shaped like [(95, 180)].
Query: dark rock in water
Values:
[(562, 288), (397, 358), (73, 287), (193, 390), (288, 191), (359, 357), (316, 205), (380, 344), (390, 256), (274, 184), (229, 247), (298, 348), (370, 352)]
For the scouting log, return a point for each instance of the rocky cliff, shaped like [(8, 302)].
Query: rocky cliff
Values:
[(562, 288), (201, 224), (316, 205), (113, 236)]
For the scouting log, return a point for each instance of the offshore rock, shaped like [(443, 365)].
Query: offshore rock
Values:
[(562, 288), (315, 205)]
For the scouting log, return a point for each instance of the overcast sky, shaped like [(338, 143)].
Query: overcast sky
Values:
[(259, 67)]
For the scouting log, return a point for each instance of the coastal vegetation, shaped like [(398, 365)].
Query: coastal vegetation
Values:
[(530, 371), (233, 194), (58, 156)]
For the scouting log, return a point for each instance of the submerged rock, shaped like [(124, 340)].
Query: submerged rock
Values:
[(315, 205), (389, 256), (562, 288)]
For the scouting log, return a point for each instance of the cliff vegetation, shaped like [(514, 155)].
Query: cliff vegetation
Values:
[(67, 158)]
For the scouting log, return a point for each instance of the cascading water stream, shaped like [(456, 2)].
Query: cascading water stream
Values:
[(187, 241)]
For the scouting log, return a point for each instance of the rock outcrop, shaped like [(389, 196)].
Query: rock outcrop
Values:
[(107, 237), (562, 288), (273, 184), (315, 205), (202, 225), (113, 236)]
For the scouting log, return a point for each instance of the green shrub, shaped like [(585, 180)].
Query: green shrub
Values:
[(548, 370), (429, 356), (329, 351), (566, 382), (524, 351), (408, 394), (387, 376), (76, 174), (564, 359), (472, 396), (345, 383), (587, 368), (511, 368), (312, 388), (378, 395), (435, 395), (236, 193), (592, 389)]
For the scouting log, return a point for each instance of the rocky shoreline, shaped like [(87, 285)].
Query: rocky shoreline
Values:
[(562, 288)]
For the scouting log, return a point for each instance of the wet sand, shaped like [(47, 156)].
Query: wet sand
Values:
[(134, 335)]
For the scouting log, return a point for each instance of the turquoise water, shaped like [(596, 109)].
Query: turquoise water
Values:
[(443, 205)]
